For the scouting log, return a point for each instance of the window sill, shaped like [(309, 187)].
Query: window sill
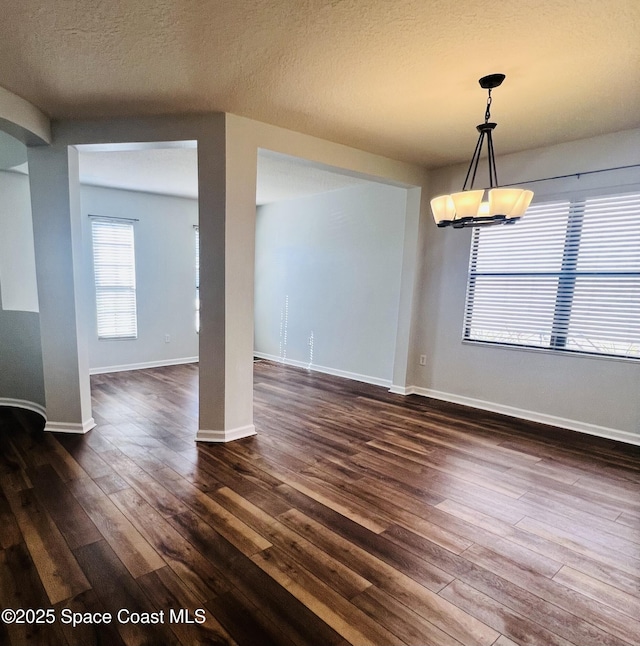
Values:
[(551, 352)]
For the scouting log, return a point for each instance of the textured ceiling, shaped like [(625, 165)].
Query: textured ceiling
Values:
[(397, 77)]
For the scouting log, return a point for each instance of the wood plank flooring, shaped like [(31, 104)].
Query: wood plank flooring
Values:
[(354, 517)]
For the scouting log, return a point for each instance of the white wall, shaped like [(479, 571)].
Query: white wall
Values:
[(327, 280), (595, 395), (165, 278)]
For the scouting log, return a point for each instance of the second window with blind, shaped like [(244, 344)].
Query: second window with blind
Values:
[(114, 270)]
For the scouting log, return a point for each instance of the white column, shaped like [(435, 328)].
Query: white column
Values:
[(401, 361), (226, 172), (55, 203)]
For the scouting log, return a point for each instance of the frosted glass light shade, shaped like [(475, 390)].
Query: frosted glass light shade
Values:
[(467, 203), (483, 211), (467, 208), (443, 208), (521, 205), (503, 200)]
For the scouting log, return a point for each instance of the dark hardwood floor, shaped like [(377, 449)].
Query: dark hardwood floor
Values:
[(354, 517)]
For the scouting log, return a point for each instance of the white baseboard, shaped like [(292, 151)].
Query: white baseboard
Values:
[(70, 427), (54, 427), (328, 371), (532, 416), (401, 390), (142, 366), (26, 405), (225, 436)]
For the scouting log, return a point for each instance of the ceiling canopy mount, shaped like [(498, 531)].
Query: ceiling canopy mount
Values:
[(491, 81)]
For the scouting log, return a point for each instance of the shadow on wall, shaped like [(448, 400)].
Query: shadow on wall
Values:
[(21, 374)]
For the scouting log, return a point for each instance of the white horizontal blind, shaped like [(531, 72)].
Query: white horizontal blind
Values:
[(566, 277), (115, 278)]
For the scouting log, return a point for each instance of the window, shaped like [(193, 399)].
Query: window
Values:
[(197, 230), (115, 278), (566, 277)]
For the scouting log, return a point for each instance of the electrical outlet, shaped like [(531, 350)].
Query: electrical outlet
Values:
[(423, 359), (167, 338)]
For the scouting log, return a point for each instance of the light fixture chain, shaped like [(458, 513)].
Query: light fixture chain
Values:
[(487, 114)]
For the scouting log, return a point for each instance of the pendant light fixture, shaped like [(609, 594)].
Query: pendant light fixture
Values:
[(467, 208)]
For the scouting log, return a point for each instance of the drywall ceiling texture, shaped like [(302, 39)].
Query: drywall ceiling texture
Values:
[(395, 78)]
